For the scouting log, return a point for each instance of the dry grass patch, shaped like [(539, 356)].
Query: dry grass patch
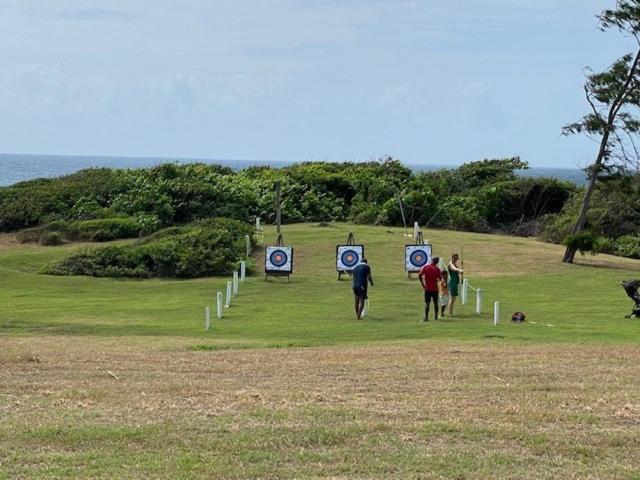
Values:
[(422, 410)]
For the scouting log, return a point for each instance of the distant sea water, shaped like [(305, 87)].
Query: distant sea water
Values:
[(17, 168)]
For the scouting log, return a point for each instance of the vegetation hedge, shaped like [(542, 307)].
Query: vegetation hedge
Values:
[(98, 230), (484, 196), (211, 247), (480, 196)]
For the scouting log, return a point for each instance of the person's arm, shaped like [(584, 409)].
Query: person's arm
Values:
[(454, 268), (420, 275), (370, 277)]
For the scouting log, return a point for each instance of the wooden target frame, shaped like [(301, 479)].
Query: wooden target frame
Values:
[(412, 252), (278, 260), (345, 264)]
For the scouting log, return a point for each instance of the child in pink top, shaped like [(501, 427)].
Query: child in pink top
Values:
[(444, 291)]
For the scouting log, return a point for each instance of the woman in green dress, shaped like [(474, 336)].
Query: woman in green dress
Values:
[(454, 281)]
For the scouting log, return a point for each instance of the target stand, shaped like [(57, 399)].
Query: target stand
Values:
[(417, 255), (348, 256), (278, 260)]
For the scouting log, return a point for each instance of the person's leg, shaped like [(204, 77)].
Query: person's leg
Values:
[(436, 308), (452, 302), (427, 306), (360, 307), (356, 305)]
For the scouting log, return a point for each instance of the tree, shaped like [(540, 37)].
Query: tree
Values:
[(614, 99)]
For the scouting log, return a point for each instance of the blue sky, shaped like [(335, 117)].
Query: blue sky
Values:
[(427, 81)]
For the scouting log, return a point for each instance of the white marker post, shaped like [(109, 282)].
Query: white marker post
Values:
[(479, 301), (219, 304), (496, 313), (228, 303), (258, 224), (243, 271), (207, 319), (416, 229), (248, 242), (235, 283), (465, 291)]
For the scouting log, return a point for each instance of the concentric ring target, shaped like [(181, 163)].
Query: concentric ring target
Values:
[(418, 258), (350, 258), (278, 258)]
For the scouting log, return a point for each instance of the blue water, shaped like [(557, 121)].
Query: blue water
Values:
[(16, 168)]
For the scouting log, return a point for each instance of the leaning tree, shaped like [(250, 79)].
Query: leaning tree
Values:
[(613, 122)]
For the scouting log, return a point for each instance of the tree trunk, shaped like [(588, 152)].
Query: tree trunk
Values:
[(570, 252)]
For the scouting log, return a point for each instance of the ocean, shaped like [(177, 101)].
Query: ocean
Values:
[(18, 167)]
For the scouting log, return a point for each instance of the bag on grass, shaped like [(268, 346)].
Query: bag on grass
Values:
[(518, 317)]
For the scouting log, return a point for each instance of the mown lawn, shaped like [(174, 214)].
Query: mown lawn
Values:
[(583, 302)]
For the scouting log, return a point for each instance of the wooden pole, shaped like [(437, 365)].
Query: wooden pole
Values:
[(278, 206)]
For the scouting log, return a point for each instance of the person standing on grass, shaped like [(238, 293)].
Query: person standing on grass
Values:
[(454, 281), (444, 292), (361, 278), (429, 277)]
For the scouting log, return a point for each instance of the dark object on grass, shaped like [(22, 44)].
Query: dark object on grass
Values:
[(518, 317), (631, 287)]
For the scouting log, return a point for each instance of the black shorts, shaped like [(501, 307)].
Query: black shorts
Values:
[(360, 292), (428, 296)]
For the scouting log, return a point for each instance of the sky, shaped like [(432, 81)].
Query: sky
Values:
[(425, 81)]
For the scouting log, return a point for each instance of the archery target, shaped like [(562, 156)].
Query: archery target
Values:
[(348, 257), (278, 259), (416, 257)]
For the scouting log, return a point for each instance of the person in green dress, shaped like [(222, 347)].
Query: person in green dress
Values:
[(454, 281)]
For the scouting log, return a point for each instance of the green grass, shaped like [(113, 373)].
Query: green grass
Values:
[(583, 303), (105, 378)]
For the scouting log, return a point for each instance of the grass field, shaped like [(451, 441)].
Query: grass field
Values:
[(107, 378)]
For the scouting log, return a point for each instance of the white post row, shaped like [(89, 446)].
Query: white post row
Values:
[(465, 291), (496, 313), (248, 242), (207, 319), (479, 301), (235, 283), (219, 304), (243, 271), (228, 302)]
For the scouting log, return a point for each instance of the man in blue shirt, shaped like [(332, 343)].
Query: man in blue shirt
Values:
[(361, 275)]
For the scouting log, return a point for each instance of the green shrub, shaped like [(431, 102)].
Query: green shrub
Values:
[(51, 239), (99, 230), (583, 242), (104, 230), (211, 247), (628, 246)]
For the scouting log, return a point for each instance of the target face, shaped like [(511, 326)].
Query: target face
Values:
[(348, 257), (416, 257), (278, 259)]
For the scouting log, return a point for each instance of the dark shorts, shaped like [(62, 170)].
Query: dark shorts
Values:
[(360, 292), (428, 296)]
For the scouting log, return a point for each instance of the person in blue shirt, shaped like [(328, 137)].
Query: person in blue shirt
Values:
[(361, 277)]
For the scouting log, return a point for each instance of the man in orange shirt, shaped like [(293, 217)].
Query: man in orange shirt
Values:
[(429, 277)]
